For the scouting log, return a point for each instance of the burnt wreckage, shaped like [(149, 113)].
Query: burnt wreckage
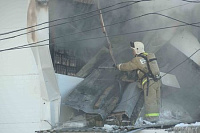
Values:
[(107, 95)]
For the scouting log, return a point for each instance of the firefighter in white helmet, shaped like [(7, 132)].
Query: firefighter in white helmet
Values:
[(148, 78)]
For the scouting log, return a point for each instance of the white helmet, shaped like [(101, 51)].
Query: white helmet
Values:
[(138, 47)]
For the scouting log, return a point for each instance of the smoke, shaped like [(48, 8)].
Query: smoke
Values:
[(154, 40), (84, 50)]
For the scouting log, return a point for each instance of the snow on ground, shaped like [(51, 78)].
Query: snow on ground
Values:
[(186, 125), (117, 129), (174, 111), (170, 113), (141, 122), (74, 124), (109, 128), (70, 125)]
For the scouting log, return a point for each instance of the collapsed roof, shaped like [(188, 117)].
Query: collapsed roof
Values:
[(103, 93)]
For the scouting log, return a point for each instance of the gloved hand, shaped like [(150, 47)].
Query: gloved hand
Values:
[(115, 66)]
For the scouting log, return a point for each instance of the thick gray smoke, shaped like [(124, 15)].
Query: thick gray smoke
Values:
[(63, 9), (153, 40)]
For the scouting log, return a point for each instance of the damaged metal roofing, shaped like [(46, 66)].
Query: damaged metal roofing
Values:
[(100, 92), (127, 103), (87, 93)]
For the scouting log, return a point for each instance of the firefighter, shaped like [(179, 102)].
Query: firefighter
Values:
[(148, 78)]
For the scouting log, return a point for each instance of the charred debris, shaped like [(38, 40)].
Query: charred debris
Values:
[(108, 96)]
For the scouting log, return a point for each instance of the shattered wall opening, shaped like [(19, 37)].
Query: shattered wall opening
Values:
[(103, 87)]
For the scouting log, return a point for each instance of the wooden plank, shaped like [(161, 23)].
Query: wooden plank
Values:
[(103, 96), (112, 104)]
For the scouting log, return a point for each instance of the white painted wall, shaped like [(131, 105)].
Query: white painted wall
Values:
[(66, 85), (29, 93)]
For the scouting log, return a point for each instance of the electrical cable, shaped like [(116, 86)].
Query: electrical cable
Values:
[(173, 7), (135, 32), (112, 25), (115, 23), (155, 29), (154, 13), (191, 1), (64, 23), (51, 21)]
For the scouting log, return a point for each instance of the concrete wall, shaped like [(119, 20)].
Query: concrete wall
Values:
[(29, 94)]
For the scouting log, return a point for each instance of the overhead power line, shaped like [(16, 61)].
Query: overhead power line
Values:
[(106, 25), (84, 14), (112, 25), (81, 19), (126, 21), (134, 32), (155, 29), (51, 21), (65, 22), (192, 1)]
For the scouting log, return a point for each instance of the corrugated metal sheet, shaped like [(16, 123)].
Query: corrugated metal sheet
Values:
[(87, 93), (129, 100)]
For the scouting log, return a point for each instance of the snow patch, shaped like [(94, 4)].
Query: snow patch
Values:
[(141, 122), (181, 125), (74, 124), (71, 125), (186, 125), (109, 128)]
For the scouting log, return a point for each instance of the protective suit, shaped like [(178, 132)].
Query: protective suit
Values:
[(148, 79)]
